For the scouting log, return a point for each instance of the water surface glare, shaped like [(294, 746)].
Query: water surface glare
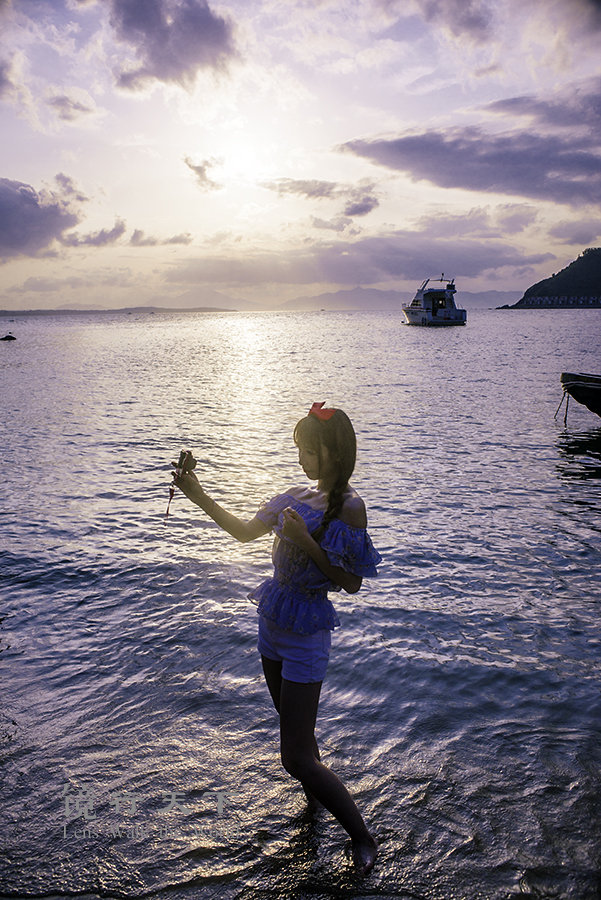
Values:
[(462, 703)]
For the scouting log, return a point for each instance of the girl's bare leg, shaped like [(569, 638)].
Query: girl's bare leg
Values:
[(273, 676), (297, 705)]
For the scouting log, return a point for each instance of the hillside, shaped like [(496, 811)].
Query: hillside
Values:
[(579, 284)]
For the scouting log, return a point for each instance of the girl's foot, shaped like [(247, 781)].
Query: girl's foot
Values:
[(364, 855)]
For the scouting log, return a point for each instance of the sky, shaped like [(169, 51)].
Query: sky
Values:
[(247, 152)]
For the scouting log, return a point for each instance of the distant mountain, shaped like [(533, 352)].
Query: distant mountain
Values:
[(372, 298), (201, 300), (578, 285), (484, 299), (205, 297), (102, 310), (356, 298), (80, 307)]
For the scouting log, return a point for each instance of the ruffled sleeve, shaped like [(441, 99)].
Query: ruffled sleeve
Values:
[(351, 549), (270, 511)]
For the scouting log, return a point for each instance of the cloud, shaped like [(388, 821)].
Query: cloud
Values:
[(578, 107), (361, 203), (69, 189), (340, 223), (201, 172), (91, 281), (139, 239), (369, 260), (6, 84), (471, 18), (31, 221), (593, 7), (476, 222), (172, 39), (515, 217), (582, 232), (480, 21), (313, 189), (40, 285), (358, 200), (185, 239), (480, 222), (101, 238), (546, 167), (71, 107)]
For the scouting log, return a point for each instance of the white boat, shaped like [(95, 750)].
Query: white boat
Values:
[(435, 305)]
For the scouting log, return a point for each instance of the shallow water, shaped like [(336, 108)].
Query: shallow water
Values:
[(462, 703)]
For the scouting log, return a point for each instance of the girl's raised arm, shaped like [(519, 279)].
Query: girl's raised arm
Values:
[(243, 531)]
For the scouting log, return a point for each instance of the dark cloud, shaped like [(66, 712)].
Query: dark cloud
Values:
[(582, 232), (101, 238), (515, 217), (593, 7), (554, 168), (69, 189), (185, 239), (577, 107), (139, 239), (68, 109), (201, 171), (172, 39), (465, 18), (411, 255), (476, 222), (361, 204), (478, 20), (480, 222), (6, 84), (30, 222), (358, 200)]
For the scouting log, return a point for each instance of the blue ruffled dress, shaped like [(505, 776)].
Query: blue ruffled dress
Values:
[(296, 596)]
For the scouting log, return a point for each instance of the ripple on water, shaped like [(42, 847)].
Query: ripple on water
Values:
[(461, 705)]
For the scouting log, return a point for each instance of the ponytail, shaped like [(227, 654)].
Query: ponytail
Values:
[(335, 501)]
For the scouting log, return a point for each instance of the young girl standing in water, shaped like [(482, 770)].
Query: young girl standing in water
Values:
[(321, 544)]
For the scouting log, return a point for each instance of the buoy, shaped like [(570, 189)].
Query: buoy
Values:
[(8, 337)]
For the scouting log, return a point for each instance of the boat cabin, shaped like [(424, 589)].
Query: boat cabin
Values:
[(435, 300)]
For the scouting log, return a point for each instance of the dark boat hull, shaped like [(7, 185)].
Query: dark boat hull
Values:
[(585, 389)]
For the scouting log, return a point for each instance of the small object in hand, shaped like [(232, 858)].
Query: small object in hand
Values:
[(185, 464)]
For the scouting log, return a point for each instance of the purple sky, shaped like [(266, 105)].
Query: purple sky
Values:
[(179, 152)]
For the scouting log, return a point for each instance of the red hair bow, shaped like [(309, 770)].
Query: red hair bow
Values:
[(318, 410)]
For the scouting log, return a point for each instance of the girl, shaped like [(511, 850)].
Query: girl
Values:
[(321, 544)]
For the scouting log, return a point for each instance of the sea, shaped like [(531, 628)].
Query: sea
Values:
[(462, 705)]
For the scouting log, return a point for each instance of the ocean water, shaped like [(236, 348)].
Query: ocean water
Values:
[(462, 704)]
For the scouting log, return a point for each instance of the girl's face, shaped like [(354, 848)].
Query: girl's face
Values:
[(316, 464)]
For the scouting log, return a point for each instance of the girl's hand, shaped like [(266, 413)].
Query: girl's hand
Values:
[(294, 527), (188, 484)]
